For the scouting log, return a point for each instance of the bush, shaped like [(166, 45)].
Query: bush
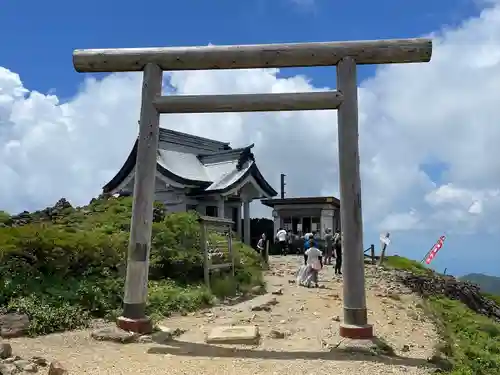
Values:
[(66, 267)]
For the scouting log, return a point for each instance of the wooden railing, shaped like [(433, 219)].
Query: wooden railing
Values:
[(371, 255)]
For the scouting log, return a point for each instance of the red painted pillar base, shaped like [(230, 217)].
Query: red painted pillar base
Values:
[(355, 332), (142, 326)]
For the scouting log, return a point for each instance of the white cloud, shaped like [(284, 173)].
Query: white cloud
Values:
[(444, 111), (401, 221)]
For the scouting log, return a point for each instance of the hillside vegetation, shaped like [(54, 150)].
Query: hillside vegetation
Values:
[(471, 340), (64, 266)]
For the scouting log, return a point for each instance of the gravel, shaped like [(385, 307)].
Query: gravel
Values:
[(310, 344)]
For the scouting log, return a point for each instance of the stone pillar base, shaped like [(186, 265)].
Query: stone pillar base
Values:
[(350, 331), (142, 326)]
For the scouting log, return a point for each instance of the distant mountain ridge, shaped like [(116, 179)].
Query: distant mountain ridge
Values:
[(487, 283)]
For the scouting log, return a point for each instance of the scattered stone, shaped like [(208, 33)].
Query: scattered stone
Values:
[(278, 292), (114, 334), (452, 288), (5, 350), (336, 318), (405, 348), (26, 366), (39, 361), (145, 339), (245, 335), (13, 325), (275, 334), (164, 334), (263, 303), (8, 369), (441, 363), (258, 289), (291, 281), (394, 296), (56, 368)]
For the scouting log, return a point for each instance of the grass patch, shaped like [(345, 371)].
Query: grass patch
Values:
[(406, 264), (64, 270), (471, 342)]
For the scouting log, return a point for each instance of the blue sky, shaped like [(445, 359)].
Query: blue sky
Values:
[(46, 33), (424, 183)]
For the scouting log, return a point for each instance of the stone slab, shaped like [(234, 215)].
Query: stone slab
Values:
[(13, 325), (245, 335)]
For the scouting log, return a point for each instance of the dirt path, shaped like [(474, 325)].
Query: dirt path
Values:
[(307, 317)]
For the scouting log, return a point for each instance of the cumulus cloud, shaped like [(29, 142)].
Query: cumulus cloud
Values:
[(443, 112)]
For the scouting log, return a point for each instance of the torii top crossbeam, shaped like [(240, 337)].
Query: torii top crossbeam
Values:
[(394, 51)]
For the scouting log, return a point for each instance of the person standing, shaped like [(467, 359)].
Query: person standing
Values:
[(289, 240), (337, 245), (261, 244), (328, 246), (281, 237), (307, 236)]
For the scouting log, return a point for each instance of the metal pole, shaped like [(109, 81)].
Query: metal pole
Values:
[(355, 314), (136, 283)]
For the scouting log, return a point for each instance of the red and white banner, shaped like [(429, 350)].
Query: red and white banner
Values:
[(432, 254)]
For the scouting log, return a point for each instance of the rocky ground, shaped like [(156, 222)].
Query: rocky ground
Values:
[(298, 335)]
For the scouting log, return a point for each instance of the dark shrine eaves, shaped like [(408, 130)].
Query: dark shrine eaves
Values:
[(301, 200)]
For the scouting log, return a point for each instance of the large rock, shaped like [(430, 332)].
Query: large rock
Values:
[(246, 335), (13, 325), (57, 368), (8, 369), (114, 334), (5, 350), (24, 365)]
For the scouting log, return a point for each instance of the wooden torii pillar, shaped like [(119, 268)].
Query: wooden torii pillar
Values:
[(153, 61)]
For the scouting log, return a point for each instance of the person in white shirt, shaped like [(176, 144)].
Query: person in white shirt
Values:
[(313, 259), (281, 237), (261, 244)]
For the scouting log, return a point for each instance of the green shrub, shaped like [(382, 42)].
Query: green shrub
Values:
[(4, 218), (68, 268)]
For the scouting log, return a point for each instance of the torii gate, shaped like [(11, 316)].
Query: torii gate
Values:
[(153, 61)]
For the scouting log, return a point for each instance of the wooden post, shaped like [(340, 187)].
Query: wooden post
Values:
[(266, 252), (230, 247), (384, 248), (372, 253), (206, 260), (246, 221), (355, 323), (136, 283)]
